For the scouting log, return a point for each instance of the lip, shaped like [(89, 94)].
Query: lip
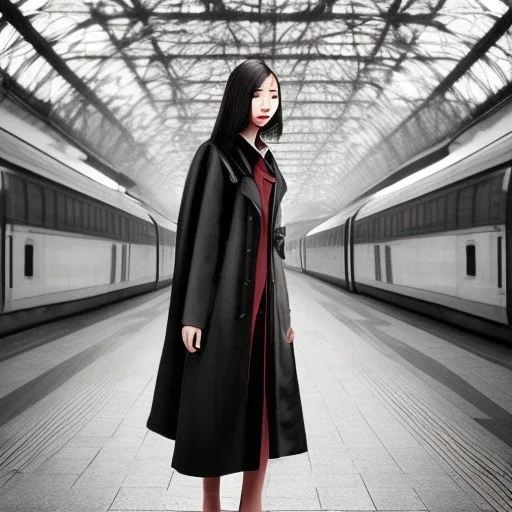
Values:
[(262, 117)]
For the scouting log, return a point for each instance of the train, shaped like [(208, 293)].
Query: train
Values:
[(439, 244), (68, 242)]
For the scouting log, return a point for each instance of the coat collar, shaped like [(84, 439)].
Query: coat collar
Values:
[(241, 157)]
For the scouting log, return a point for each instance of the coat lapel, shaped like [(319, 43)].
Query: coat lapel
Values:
[(240, 159)]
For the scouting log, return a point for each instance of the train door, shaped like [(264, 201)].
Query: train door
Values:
[(3, 247), (346, 252), (506, 273), (302, 248)]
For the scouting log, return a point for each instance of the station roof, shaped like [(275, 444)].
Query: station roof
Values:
[(366, 85)]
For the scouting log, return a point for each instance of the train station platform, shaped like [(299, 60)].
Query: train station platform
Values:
[(402, 414)]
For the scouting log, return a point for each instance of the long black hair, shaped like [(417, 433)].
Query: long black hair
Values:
[(235, 108)]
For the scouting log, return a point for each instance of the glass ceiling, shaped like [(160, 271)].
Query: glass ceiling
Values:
[(366, 84)]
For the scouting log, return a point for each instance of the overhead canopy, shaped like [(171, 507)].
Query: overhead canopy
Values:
[(366, 85)]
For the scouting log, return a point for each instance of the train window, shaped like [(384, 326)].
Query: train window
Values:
[(50, 220), (61, 210), (407, 221), (69, 212), (483, 202), (414, 212), (375, 230), (420, 219), (123, 227), (16, 200), (451, 210), (86, 207), (497, 201), (34, 204), (394, 225), (387, 229), (104, 225), (441, 211), (93, 218), (432, 213), (29, 260), (97, 219), (470, 260), (110, 223), (78, 221), (400, 228), (465, 207)]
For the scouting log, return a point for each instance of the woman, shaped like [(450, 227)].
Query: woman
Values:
[(226, 389)]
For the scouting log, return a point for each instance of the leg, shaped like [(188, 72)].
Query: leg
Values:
[(252, 486), (211, 494)]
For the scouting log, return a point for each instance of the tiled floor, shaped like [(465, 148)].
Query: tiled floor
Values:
[(395, 418)]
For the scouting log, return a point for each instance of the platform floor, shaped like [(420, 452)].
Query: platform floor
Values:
[(402, 414)]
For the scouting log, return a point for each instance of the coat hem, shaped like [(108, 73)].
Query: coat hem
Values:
[(229, 471)]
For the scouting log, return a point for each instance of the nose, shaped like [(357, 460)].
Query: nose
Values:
[(265, 104)]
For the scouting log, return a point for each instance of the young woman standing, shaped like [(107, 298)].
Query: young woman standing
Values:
[(226, 389)]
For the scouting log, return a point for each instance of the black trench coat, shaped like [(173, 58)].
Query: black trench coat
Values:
[(202, 400)]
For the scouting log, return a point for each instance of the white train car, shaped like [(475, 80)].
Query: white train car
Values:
[(443, 239), (166, 234), (69, 243), (328, 249), (294, 251), (440, 243)]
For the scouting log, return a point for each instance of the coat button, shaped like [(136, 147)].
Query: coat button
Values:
[(242, 315), (248, 249), (247, 281), (250, 217)]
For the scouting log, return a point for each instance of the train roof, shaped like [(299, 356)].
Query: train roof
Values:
[(162, 221), (339, 218), (484, 145), (59, 167)]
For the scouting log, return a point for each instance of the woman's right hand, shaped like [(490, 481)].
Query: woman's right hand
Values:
[(187, 333)]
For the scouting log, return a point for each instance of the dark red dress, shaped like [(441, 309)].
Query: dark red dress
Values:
[(264, 180)]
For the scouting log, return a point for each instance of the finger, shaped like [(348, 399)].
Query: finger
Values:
[(198, 339), (190, 339)]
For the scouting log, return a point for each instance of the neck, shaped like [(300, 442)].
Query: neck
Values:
[(249, 133)]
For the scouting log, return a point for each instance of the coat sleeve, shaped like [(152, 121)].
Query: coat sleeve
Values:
[(206, 243), (279, 237)]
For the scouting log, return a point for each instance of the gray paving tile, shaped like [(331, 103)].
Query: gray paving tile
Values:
[(366, 441), (92, 441), (345, 498), (76, 452), (45, 482), (445, 498), (144, 498), (63, 466), (290, 503), (117, 453), (140, 479), (94, 478), (394, 497), (94, 499), (100, 427)]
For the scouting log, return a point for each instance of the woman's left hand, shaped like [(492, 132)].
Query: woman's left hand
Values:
[(290, 335)]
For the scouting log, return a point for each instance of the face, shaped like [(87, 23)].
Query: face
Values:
[(265, 102)]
